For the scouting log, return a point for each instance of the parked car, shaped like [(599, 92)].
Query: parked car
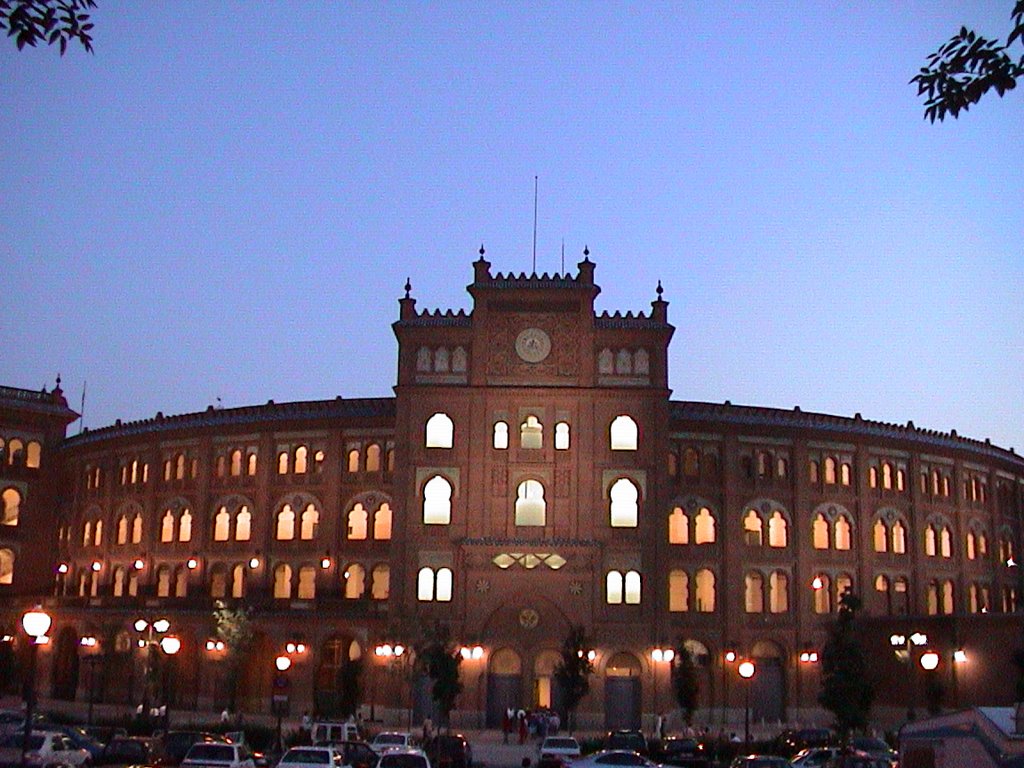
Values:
[(791, 742), (174, 745), (80, 738), (44, 748), (449, 750), (127, 750), (626, 739), (312, 757), (330, 731), (354, 754), (557, 751), (613, 757), (813, 757), (759, 761), (210, 754), (386, 740), (404, 757), (875, 748), (680, 751)]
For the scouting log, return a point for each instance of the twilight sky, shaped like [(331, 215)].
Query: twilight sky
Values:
[(226, 199)]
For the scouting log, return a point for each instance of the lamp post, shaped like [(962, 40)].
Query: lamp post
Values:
[(903, 645), (746, 670), (155, 638), (36, 624), (728, 657), (659, 655), (392, 653), (807, 657), (279, 699), (90, 659)]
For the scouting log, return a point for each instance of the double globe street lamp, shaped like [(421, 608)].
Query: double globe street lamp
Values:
[(36, 624), (156, 638)]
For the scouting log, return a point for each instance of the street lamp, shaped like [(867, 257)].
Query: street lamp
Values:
[(279, 699), (904, 647), (658, 655), (36, 624), (392, 653), (729, 657), (746, 670), (807, 657), (155, 639)]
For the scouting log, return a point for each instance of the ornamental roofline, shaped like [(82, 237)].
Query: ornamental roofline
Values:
[(51, 403)]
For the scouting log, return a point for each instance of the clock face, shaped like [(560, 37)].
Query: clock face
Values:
[(533, 345)]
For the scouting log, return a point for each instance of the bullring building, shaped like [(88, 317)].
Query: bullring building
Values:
[(531, 473)]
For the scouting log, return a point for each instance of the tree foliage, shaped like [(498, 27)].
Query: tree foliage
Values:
[(845, 689), (441, 659), (685, 685), (350, 687), (967, 67), (573, 672), (49, 21), (233, 627)]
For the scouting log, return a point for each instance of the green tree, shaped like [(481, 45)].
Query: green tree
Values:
[(684, 682), (967, 67), (49, 21), (350, 687), (845, 689), (441, 659), (233, 627), (573, 672)]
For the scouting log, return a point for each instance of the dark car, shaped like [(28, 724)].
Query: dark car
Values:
[(127, 750), (626, 739), (791, 742), (449, 750), (355, 754), (174, 745), (677, 750)]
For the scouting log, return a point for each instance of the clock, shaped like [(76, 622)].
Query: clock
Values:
[(533, 345)]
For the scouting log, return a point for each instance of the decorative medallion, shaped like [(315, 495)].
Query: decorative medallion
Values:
[(483, 586), (533, 345), (529, 618), (576, 588)]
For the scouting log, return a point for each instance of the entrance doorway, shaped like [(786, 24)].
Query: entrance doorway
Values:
[(622, 692), (504, 685)]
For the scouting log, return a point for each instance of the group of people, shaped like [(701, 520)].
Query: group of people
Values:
[(536, 722)]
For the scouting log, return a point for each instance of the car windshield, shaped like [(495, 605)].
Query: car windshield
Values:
[(224, 753), (402, 761), (321, 756), (868, 742), (389, 738), (560, 742)]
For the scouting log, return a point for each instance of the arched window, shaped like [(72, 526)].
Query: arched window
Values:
[(933, 598), (441, 359), (357, 523), (873, 476), (624, 361), (704, 527), (845, 474), (440, 431), (120, 579), (424, 360), (530, 505), (236, 463), (613, 588), (6, 566), (930, 541), (243, 525), (843, 533), (382, 522), (425, 585), (623, 434), (778, 592), (830, 471), (947, 596), (122, 529), (238, 581), (283, 581), (307, 583), (32, 455), (434, 586), (704, 597), (251, 464), (87, 533), (641, 362), (221, 525), (820, 532), (752, 529), (137, 529), (754, 592), (283, 462), (167, 526), (443, 589), (12, 506), (562, 436), (437, 501), (880, 536), (185, 526), (500, 441), (945, 542), (822, 594), (633, 586), (459, 360), (308, 523), (678, 591), (373, 458), (531, 433), (181, 582), (623, 507), (778, 535), (179, 467), (97, 534), (285, 524), (765, 460), (691, 463), (887, 476), (899, 538), (353, 460), (163, 582), (301, 458), (380, 582), (678, 527), (218, 582), (812, 472)]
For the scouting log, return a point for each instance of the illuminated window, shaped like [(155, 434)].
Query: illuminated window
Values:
[(930, 545), (704, 527), (845, 474), (972, 551), (137, 529), (185, 526), (120, 581), (238, 581), (880, 536), (777, 530), (691, 463), (283, 462), (251, 464), (678, 591), (12, 506), (531, 433), (704, 597), (122, 529), (357, 523), (243, 525), (236, 463), (945, 542), (754, 592), (382, 522), (373, 458), (32, 455), (843, 533), (221, 525), (301, 458), (434, 586), (163, 582), (380, 582), (167, 527), (87, 533), (830, 471), (561, 436), (820, 532), (633, 586), (678, 527), (778, 592), (822, 594), (623, 507), (613, 588), (6, 566), (812, 472), (623, 434), (899, 538), (887, 476), (530, 505), (285, 524), (873, 477), (308, 523), (307, 583), (283, 581), (353, 460), (97, 534), (437, 501), (500, 441), (752, 529), (440, 431)]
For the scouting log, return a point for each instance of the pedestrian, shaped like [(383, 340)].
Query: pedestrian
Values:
[(522, 727), (506, 724)]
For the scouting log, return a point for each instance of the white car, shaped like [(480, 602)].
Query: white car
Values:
[(312, 757), (211, 754), (613, 757), (557, 750), (404, 757), (44, 747), (386, 740)]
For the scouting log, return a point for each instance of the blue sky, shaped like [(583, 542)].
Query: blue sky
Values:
[(225, 200)]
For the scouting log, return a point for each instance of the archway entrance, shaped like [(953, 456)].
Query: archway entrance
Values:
[(337, 676), (768, 686), (622, 692), (65, 665), (547, 694), (504, 685)]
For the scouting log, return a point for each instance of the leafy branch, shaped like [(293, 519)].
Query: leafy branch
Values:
[(50, 21)]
